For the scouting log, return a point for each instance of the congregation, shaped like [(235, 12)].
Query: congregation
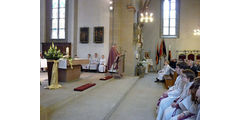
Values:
[(182, 100)]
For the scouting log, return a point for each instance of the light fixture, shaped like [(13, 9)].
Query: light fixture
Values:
[(146, 17), (196, 32), (111, 5)]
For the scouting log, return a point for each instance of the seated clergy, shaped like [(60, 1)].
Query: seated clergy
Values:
[(86, 66), (165, 71), (94, 62), (102, 64)]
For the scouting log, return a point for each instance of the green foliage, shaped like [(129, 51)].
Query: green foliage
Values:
[(70, 62), (139, 64), (53, 53)]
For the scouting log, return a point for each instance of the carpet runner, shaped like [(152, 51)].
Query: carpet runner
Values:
[(106, 78), (84, 87)]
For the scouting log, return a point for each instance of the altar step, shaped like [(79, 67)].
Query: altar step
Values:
[(97, 104)]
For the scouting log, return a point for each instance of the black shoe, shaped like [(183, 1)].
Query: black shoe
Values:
[(157, 80), (162, 81)]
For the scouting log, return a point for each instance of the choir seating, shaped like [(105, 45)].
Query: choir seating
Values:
[(170, 79), (191, 57), (198, 57), (93, 66), (182, 57)]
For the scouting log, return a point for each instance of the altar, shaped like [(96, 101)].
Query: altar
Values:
[(66, 73)]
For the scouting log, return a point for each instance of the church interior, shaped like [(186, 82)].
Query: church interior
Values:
[(119, 59)]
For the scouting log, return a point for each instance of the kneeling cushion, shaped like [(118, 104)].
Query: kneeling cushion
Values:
[(84, 87), (106, 78)]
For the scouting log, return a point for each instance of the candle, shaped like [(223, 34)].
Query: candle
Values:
[(67, 51)]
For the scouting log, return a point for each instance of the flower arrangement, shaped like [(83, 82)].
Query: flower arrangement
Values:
[(53, 53)]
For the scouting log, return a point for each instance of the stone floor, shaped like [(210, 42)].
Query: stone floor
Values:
[(128, 98), (140, 102)]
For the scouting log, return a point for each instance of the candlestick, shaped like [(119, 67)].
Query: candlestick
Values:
[(67, 51)]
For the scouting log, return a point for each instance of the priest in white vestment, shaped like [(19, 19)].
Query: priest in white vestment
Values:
[(102, 64)]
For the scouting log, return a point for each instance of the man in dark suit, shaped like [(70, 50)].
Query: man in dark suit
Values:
[(173, 63), (193, 67)]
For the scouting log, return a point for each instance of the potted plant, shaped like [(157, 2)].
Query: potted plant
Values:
[(140, 69), (52, 54)]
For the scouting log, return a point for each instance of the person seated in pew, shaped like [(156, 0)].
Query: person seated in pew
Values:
[(193, 112), (165, 71), (193, 67), (189, 108), (173, 63), (102, 64), (173, 92), (187, 77), (176, 89), (86, 66), (197, 65)]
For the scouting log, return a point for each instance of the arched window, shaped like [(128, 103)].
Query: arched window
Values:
[(56, 20), (169, 18)]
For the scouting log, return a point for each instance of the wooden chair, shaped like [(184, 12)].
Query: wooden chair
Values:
[(182, 57), (198, 57), (191, 57)]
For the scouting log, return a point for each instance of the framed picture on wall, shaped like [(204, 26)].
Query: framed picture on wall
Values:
[(84, 35), (98, 34)]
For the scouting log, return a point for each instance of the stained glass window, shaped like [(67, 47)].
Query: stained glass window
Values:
[(54, 3), (169, 18), (58, 19), (62, 3)]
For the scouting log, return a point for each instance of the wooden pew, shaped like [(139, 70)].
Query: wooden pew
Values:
[(170, 79)]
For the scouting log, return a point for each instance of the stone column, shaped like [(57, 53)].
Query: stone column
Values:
[(75, 33), (123, 21)]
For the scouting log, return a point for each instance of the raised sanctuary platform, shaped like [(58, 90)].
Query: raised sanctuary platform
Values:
[(54, 102)]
